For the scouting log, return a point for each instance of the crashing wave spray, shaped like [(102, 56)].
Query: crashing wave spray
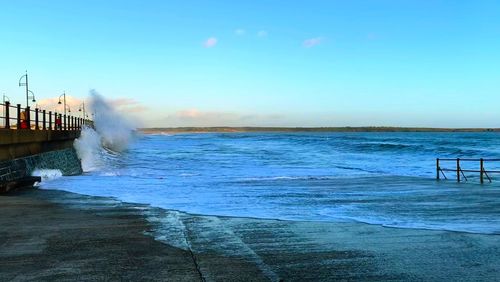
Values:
[(115, 130), (89, 149), (112, 132)]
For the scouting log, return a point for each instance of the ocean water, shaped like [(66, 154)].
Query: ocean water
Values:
[(377, 178)]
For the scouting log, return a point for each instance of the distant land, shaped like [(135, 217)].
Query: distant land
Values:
[(223, 129)]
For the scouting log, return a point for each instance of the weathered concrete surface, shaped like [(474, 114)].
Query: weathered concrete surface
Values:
[(41, 241), (88, 238), (20, 143)]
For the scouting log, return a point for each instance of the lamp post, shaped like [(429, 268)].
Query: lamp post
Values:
[(82, 108), (25, 83), (64, 95)]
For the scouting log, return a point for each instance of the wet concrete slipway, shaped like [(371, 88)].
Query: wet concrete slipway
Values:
[(48, 235)]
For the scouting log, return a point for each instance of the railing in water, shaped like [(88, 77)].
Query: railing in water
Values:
[(15, 117), (460, 173)]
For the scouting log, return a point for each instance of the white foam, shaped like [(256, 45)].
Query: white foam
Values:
[(47, 174), (89, 150), (112, 134), (115, 130)]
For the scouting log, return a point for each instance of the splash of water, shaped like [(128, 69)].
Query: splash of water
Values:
[(111, 132), (115, 130), (89, 149), (47, 174)]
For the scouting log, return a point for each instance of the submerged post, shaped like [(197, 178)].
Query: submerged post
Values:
[(458, 169), (481, 162), (437, 168)]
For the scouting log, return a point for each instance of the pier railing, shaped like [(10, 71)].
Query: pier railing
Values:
[(15, 117), (459, 172)]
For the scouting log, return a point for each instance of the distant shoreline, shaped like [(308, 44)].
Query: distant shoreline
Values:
[(223, 129)]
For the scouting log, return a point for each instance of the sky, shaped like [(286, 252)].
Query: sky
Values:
[(262, 62)]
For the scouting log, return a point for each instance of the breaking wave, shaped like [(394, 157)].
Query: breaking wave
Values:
[(111, 134), (47, 174)]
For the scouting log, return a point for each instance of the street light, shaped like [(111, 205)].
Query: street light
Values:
[(32, 96), (82, 108), (64, 94), (25, 83)]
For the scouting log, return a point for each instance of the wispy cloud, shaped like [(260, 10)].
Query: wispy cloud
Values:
[(240, 31), (189, 114), (52, 104), (210, 42), (311, 42), (195, 117), (262, 33), (75, 104), (128, 105)]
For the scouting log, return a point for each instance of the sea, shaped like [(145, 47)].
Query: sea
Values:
[(379, 178)]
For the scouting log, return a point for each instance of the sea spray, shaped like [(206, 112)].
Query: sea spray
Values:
[(47, 174), (112, 132), (115, 130), (89, 149)]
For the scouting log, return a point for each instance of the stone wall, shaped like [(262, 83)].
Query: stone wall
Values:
[(65, 160)]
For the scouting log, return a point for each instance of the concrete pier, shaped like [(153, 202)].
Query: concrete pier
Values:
[(21, 143), (23, 151)]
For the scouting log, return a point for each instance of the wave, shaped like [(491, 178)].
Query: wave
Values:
[(47, 174), (111, 135), (274, 178), (388, 147), (391, 221)]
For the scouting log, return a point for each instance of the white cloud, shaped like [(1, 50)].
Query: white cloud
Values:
[(52, 104), (262, 33), (75, 104), (210, 42), (240, 31), (196, 117), (311, 42)]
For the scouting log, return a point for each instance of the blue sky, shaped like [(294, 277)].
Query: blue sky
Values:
[(263, 62)]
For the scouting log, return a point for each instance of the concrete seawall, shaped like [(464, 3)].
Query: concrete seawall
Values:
[(23, 151), (21, 143), (64, 160)]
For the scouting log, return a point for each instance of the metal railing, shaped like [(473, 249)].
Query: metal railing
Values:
[(15, 117), (460, 172)]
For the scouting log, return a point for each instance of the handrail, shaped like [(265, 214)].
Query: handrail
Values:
[(471, 159), (15, 117), (461, 172)]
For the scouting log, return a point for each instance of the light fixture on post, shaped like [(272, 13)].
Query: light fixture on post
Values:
[(82, 108), (31, 97), (25, 83), (64, 100)]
